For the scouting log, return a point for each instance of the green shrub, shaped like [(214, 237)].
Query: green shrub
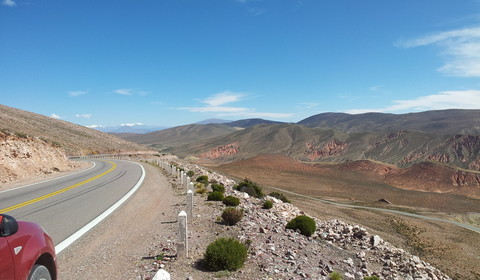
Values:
[(335, 276), (21, 135), (305, 224), (373, 277), (215, 196), (225, 254), (203, 179), (267, 204), (252, 188), (201, 190), (218, 188), (231, 216), (231, 201), (190, 173), (280, 196)]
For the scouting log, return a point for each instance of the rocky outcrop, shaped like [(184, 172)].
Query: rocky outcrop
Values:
[(22, 157), (222, 151), (332, 148), (475, 165)]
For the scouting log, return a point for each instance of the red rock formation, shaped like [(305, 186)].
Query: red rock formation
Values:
[(332, 148), (475, 165), (222, 151)]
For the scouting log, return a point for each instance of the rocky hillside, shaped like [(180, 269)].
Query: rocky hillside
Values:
[(71, 138), (22, 157), (401, 148), (435, 122), (167, 139), (279, 253)]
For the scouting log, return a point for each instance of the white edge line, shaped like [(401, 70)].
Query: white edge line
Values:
[(72, 238), (56, 178)]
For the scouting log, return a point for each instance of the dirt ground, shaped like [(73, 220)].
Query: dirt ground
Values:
[(452, 249)]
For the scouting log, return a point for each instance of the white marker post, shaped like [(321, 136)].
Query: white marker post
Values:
[(190, 205), (182, 246)]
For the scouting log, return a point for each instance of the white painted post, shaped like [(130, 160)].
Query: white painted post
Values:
[(187, 183), (190, 205), (190, 186), (182, 244), (182, 177)]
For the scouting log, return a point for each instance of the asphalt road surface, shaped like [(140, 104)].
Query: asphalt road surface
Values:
[(64, 205)]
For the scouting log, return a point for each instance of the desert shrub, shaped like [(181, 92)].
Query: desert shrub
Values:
[(267, 204), (305, 224), (21, 135), (373, 277), (203, 179), (231, 216), (225, 254), (335, 276), (201, 190), (218, 188), (190, 173), (215, 196), (231, 201), (250, 187), (280, 196)]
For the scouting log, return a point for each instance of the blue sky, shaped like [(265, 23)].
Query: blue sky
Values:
[(174, 62)]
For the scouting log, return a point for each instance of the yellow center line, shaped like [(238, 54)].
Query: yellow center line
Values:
[(20, 205)]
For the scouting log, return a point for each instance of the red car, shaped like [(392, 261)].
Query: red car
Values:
[(26, 251)]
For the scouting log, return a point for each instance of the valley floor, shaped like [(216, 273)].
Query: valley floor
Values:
[(452, 249)]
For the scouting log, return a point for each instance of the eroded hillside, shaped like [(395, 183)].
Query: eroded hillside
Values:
[(72, 138), (23, 157)]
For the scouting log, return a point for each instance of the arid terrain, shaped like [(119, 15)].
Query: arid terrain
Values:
[(452, 249)]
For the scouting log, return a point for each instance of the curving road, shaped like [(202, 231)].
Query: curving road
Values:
[(65, 205)]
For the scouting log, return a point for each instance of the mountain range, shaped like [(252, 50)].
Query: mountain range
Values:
[(449, 137)]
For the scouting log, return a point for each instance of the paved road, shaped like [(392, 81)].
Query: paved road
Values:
[(64, 205), (463, 225)]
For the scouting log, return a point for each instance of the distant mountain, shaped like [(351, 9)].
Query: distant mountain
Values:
[(73, 138), (131, 128), (180, 135), (250, 122), (438, 122), (213, 121), (401, 148)]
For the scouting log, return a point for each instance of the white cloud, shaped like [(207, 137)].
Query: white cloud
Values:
[(123, 91), (55, 116), (467, 99), (131, 91), (216, 109), (131, 124), (77, 93), (9, 3), (214, 102), (461, 49), (223, 98), (94, 126), (84, 116)]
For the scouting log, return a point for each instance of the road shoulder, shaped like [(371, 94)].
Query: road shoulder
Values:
[(117, 244)]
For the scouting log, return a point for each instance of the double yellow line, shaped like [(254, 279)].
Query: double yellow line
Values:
[(20, 205)]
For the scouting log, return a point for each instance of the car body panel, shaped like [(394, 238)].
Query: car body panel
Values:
[(30, 245)]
